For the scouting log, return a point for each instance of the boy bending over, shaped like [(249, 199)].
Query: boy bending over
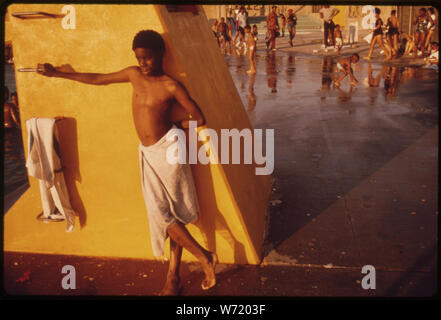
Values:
[(345, 65)]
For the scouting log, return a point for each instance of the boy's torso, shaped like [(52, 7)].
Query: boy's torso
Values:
[(151, 104)]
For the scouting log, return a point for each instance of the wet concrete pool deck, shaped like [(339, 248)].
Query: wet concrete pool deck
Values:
[(357, 170), (357, 167)]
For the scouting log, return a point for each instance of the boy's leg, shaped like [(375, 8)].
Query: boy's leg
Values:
[(273, 39), (385, 48), (208, 260), (252, 57), (290, 35), (423, 43), (428, 38), (395, 43), (345, 73), (326, 33), (171, 286), (371, 49), (331, 33), (417, 43), (351, 74)]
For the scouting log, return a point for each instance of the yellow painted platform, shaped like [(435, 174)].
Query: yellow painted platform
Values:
[(99, 142)]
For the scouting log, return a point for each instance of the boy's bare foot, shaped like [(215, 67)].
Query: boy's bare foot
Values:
[(251, 71), (209, 268), (353, 83), (171, 287), (336, 83)]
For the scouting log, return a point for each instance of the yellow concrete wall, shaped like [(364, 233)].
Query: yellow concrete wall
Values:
[(340, 18), (100, 149)]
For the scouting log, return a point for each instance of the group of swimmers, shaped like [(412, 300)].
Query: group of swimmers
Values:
[(417, 45), (245, 38), (388, 36)]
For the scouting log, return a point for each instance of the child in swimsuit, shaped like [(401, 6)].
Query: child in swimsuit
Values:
[(223, 35), (431, 27), (345, 65), (255, 33), (251, 44), (392, 32), (283, 24), (421, 23), (377, 37), (292, 21)]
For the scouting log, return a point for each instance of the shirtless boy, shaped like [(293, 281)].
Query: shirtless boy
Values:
[(393, 32), (154, 94), (223, 35), (345, 65), (251, 45)]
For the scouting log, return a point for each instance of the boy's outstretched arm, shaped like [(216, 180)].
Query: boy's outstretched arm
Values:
[(182, 97), (48, 70)]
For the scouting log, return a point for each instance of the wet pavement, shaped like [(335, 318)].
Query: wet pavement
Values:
[(357, 166), (34, 274), (356, 170)]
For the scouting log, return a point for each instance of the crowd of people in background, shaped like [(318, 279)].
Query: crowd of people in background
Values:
[(396, 43), (232, 35), (235, 35)]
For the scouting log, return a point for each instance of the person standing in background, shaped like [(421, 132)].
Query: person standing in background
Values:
[(241, 22), (292, 21), (393, 32), (421, 23), (272, 26), (431, 27), (327, 13), (377, 37), (282, 17)]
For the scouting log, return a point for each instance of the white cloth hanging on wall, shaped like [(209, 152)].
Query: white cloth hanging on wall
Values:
[(44, 163)]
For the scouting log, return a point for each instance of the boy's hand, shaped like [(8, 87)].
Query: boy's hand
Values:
[(46, 69)]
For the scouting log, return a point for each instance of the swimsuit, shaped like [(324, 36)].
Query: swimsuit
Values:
[(292, 21), (379, 30), (391, 29), (421, 25)]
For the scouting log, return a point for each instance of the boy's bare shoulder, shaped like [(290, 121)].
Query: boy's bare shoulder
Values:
[(133, 69)]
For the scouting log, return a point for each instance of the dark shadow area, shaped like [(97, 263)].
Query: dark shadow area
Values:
[(210, 219), (15, 176), (67, 131), (426, 281)]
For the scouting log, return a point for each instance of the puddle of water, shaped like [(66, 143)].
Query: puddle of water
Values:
[(288, 81)]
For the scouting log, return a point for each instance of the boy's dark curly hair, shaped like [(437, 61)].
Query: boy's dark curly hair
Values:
[(149, 39)]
